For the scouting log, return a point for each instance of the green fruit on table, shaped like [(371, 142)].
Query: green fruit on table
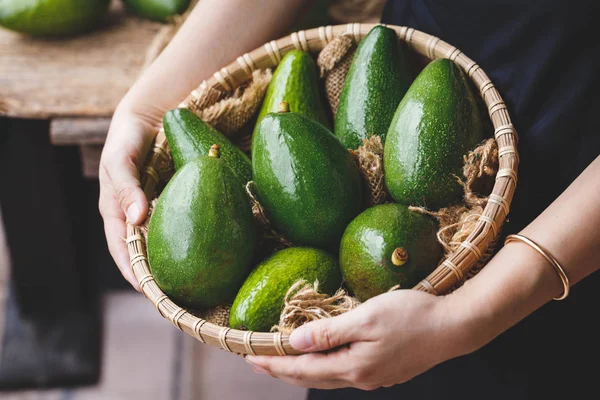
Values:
[(436, 123), (51, 17), (201, 235), (157, 10), (306, 180), (388, 245), (296, 82), (377, 80), (189, 138), (260, 300)]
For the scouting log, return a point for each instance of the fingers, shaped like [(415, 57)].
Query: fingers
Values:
[(307, 367), (115, 231), (329, 333), (328, 385), (314, 384), (125, 181)]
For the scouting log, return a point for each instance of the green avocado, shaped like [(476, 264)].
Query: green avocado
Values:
[(296, 82), (367, 260), (52, 17), (201, 235), (157, 10), (189, 138), (306, 180), (436, 123), (378, 78), (260, 301)]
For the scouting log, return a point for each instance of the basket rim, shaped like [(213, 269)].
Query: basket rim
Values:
[(454, 267)]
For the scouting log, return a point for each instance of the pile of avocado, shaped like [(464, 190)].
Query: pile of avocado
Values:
[(202, 239)]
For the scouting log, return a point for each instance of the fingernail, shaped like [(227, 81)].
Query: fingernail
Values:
[(301, 339), (260, 370), (133, 212)]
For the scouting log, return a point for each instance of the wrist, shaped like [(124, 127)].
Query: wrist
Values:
[(516, 282)]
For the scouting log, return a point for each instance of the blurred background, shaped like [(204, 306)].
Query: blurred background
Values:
[(70, 326)]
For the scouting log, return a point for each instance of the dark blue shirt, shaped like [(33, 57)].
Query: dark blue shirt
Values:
[(544, 58)]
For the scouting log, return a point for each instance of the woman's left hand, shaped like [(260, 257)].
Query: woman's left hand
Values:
[(387, 340)]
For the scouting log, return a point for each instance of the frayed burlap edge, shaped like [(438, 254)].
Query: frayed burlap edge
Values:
[(303, 303), (230, 114), (334, 61), (369, 158)]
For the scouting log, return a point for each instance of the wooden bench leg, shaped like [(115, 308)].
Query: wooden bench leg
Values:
[(52, 328)]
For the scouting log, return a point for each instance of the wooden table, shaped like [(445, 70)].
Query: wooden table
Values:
[(76, 83), (57, 93)]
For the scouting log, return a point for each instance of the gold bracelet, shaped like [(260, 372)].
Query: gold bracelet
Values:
[(559, 270)]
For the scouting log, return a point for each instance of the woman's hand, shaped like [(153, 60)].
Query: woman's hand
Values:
[(387, 340), (121, 198)]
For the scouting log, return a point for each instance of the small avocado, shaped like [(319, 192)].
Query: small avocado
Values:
[(157, 10), (436, 124), (388, 245), (201, 235), (306, 180), (296, 82), (189, 138), (260, 301), (47, 18), (378, 78)]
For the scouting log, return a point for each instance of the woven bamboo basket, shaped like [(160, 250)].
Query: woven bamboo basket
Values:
[(451, 271)]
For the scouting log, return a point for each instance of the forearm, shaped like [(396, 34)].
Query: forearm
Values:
[(518, 280), (214, 34)]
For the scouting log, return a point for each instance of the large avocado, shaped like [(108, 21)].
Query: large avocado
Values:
[(436, 123), (378, 78), (260, 301), (296, 82), (201, 235), (52, 17), (157, 10), (306, 180), (388, 245), (189, 138)]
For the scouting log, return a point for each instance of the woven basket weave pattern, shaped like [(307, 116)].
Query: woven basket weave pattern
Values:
[(451, 271)]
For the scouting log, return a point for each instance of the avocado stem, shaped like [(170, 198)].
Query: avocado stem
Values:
[(214, 151), (283, 107), (399, 256)]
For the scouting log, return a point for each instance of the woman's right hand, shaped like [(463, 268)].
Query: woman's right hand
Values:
[(121, 198)]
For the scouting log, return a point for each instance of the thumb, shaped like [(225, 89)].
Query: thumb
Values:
[(126, 184), (325, 334)]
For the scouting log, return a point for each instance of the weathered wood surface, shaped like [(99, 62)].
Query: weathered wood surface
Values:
[(81, 76)]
